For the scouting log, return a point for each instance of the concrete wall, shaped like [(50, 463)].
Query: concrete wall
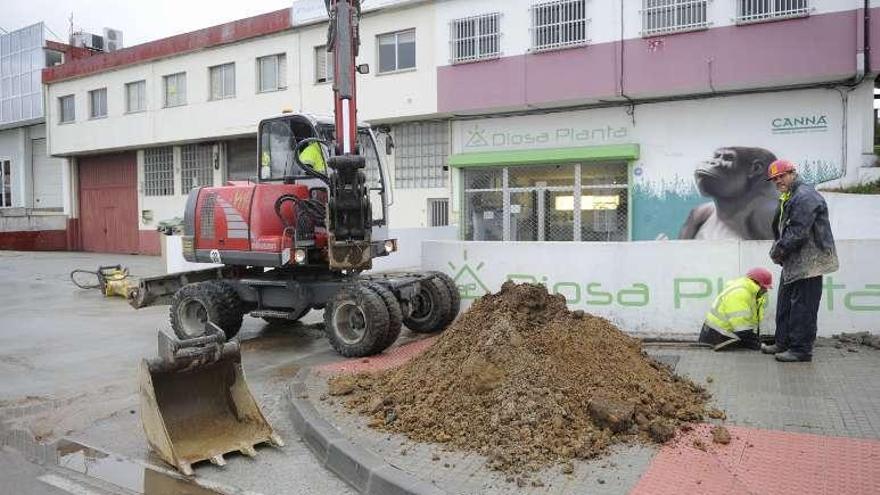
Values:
[(656, 287)]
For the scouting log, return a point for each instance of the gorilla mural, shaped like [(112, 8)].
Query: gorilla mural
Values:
[(743, 202)]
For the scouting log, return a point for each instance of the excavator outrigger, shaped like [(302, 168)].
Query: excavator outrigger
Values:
[(298, 237)]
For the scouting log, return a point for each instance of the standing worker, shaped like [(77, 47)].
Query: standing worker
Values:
[(736, 314), (805, 248)]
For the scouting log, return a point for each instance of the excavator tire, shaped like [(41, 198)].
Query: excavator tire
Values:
[(454, 297), (430, 307), (395, 315), (199, 302), (356, 321)]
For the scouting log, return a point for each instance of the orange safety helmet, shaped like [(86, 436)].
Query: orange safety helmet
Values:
[(761, 276), (780, 167)]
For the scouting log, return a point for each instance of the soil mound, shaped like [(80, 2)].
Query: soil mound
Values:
[(526, 382)]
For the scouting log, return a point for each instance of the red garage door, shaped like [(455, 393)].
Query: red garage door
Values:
[(108, 203)]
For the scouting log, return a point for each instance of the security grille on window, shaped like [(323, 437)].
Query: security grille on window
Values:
[(67, 108), (6, 186), (420, 154), (98, 103), (761, 10), (559, 24), (438, 212), (222, 81), (159, 171), (672, 16), (272, 73), (475, 38), (136, 96), (323, 65), (196, 169), (397, 51), (175, 89)]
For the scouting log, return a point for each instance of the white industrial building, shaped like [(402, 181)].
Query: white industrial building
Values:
[(507, 118)]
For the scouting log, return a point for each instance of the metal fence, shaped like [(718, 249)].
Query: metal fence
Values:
[(672, 16), (475, 38), (559, 24), (159, 171), (196, 169), (762, 10)]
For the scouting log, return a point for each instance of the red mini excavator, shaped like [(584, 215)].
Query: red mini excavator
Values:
[(299, 236)]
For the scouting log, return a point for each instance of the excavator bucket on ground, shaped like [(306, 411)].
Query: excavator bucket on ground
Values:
[(195, 403)]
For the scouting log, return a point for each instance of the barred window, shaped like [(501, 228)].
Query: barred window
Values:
[(438, 212), (559, 24), (475, 38), (421, 154), (673, 16), (196, 169), (323, 65), (763, 10), (159, 171)]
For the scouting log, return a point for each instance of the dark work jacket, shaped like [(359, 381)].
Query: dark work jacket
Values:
[(804, 243)]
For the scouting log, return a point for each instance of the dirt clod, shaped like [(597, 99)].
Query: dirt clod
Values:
[(720, 435), (717, 414), (699, 444), (525, 382), (341, 385)]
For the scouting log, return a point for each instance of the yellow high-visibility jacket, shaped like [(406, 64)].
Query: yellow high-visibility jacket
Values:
[(313, 156), (738, 308)]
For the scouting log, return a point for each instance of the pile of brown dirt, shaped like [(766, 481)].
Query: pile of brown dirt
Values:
[(524, 381)]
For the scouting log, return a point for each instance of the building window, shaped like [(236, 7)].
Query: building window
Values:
[(67, 108), (222, 81), (438, 212), (175, 89), (566, 202), (748, 11), (421, 151), (475, 38), (323, 65), (673, 16), (6, 186), (98, 103), (559, 24), (196, 168), (271, 73), (159, 171), (397, 51), (136, 96)]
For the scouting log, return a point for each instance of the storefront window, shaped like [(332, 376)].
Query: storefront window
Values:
[(538, 203)]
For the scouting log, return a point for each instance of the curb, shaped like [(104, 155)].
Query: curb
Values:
[(363, 470)]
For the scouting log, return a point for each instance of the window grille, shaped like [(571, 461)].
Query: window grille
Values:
[(67, 106), (764, 10), (175, 89), (421, 154), (5, 183), (98, 103), (673, 16), (397, 51), (475, 38), (438, 211), (196, 168), (222, 79), (271, 73), (559, 24), (136, 96), (323, 65), (159, 171)]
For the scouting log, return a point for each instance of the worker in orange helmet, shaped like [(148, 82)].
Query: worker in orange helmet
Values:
[(735, 317), (804, 246)]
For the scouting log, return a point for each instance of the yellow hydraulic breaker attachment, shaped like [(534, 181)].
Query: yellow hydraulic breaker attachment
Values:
[(195, 403)]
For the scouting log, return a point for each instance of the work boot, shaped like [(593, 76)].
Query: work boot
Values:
[(793, 357), (770, 349)]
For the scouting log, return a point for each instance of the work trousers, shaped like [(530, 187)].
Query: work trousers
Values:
[(746, 339), (797, 307)]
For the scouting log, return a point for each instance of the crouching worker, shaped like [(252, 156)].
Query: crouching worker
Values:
[(735, 317)]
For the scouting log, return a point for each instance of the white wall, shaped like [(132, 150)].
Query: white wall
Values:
[(656, 287)]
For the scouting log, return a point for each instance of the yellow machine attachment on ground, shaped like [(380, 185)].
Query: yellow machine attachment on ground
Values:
[(113, 280), (195, 403)]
